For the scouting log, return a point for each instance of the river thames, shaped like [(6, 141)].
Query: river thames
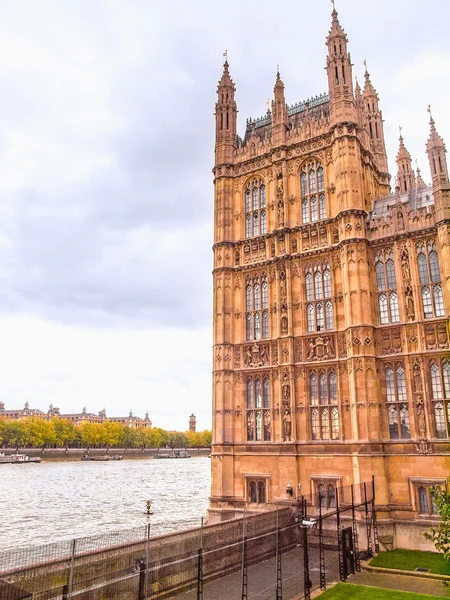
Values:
[(54, 501)]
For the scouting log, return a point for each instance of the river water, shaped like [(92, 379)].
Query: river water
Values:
[(52, 501)]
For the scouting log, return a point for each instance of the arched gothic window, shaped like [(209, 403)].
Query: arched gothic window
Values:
[(430, 279), (440, 392), (321, 496), (255, 209), (423, 500), (312, 187), (257, 491), (324, 413), (386, 286), (397, 403), (256, 308), (258, 409), (319, 303)]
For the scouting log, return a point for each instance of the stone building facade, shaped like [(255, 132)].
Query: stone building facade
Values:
[(331, 302)]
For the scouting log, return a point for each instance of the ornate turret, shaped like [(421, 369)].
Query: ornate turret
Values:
[(374, 122), (192, 422), (226, 118), (280, 113), (439, 173), (436, 154), (339, 68), (420, 183), (405, 174)]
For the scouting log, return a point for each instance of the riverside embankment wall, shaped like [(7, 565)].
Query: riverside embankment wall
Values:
[(77, 453), (172, 559)]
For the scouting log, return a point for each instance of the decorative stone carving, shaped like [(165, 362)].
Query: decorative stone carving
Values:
[(417, 378), (424, 447), (284, 319), (406, 272), (287, 425), (320, 348), (286, 389), (256, 356), (391, 341), (297, 350), (237, 358), (274, 353), (410, 311), (283, 289), (436, 336), (294, 244)]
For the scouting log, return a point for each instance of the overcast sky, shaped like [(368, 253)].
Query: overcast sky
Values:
[(106, 150)]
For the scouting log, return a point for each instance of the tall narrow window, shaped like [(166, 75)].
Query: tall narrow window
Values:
[(423, 500), (258, 409), (397, 403), (430, 279), (440, 395), (319, 303), (256, 308), (323, 398), (312, 187), (255, 209), (386, 286)]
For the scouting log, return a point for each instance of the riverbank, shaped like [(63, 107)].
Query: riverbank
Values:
[(62, 454)]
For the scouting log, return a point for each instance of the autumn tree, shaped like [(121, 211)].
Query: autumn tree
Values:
[(440, 535), (64, 432)]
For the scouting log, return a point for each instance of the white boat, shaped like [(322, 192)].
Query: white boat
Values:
[(18, 458)]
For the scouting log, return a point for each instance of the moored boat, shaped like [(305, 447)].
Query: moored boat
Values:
[(102, 457), (18, 459), (172, 454)]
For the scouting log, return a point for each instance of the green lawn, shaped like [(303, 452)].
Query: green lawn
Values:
[(409, 560), (347, 591)]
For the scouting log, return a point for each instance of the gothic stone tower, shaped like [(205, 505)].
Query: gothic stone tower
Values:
[(331, 304)]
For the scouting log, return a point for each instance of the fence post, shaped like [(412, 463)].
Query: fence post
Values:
[(200, 566), (342, 576), (306, 580), (355, 535), (244, 562), (142, 578), (374, 518), (72, 567), (368, 528), (279, 593), (147, 558), (323, 579)]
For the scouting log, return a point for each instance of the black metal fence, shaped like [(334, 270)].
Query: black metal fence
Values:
[(287, 552)]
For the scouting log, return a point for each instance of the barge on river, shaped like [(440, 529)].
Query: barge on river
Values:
[(18, 459), (172, 454), (102, 457)]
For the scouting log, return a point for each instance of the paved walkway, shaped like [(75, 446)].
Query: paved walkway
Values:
[(404, 583), (262, 578)]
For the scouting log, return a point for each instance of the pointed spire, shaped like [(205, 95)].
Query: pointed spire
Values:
[(403, 153), (226, 80), (368, 87), (436, 153), (419, 180), (405, 174), (357, 89), (336, 30), (279, 109), (435, 139), (279, 85)]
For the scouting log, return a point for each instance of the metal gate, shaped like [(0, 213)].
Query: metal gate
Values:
[(347, 551)]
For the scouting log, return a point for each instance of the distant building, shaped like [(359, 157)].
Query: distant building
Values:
[(192, 422), (76, 418)]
